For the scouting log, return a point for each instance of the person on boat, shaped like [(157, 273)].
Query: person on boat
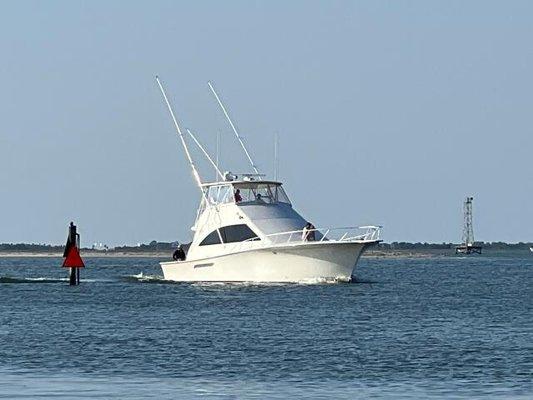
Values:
[(259, 198), (308, 232), (237, 195), (179, 254)]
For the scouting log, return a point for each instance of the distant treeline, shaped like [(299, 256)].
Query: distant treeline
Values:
[(155, 246), (30, 247), (35, 247), (152, 246)]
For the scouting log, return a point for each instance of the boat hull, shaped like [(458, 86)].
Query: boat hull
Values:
[(293, 263)]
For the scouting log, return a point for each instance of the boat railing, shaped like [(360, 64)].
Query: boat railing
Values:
[(341, 234), (303, 236)]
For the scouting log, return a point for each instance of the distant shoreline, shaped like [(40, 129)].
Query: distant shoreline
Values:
[(168, 255), (382, 251), (86, 254)]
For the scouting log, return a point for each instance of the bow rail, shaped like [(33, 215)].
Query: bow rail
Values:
[(341, 234)]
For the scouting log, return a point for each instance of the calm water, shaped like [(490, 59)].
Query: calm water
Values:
[(446, 327)]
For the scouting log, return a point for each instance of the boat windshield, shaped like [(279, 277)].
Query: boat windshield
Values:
[(214, 196), (243, 193), (259, 193), (219, 194)]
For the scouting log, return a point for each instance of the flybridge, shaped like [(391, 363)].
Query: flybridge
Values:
[(244, 193)]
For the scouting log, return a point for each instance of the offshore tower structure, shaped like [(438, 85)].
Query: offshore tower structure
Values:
[(468, 245)]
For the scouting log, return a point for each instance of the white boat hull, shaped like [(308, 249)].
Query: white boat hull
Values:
[(291, 263)]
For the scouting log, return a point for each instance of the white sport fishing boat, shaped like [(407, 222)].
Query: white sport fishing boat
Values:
[(246, 230)]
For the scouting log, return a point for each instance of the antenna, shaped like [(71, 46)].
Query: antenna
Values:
[(239, 138), (218, 149), (205, 153), (276, 158), (191, 162)]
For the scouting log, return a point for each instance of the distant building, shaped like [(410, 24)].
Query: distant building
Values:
[(100, 247)]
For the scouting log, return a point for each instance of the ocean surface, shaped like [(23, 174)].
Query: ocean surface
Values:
[(449, 327)]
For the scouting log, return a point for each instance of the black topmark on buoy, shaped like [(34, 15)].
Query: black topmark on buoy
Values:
[(72, 255)]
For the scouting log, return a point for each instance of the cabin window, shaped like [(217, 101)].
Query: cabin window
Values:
[(230, 234), (212, 238), (237, 233)]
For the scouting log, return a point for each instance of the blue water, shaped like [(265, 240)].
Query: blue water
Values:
[(445, 327)]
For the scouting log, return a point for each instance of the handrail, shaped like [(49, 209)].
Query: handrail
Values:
[(371, 232)]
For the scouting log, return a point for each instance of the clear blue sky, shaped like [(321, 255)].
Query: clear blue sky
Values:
[(388, 112)]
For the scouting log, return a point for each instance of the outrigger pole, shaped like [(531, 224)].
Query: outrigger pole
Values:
[(205, 154), (239, 138), (276, 158), (180, 134)]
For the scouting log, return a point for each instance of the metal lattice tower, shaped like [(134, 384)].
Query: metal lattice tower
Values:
[(468, 229)]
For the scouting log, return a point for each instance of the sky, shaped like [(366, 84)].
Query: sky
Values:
[(387, 112)]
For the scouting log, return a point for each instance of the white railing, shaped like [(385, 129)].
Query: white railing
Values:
[(343, 234)]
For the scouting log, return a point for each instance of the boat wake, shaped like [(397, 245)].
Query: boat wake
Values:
[(145, 278), (141, 277), (16, 279), (326, 281), (313, 281), (9, 279)]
